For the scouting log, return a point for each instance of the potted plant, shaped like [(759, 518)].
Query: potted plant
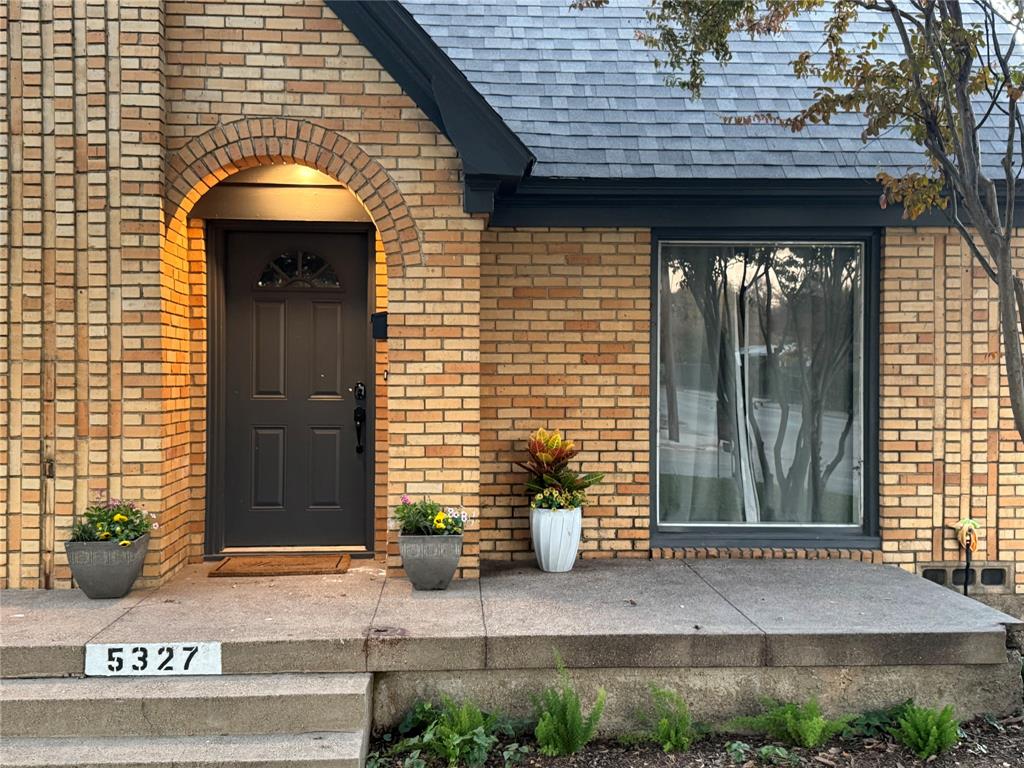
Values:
[(108, 547), (557, 496), (430, 542)]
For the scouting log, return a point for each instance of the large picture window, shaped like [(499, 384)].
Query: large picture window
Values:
[(760, 384)]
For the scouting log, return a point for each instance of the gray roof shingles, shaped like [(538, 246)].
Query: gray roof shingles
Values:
[(584, 95)]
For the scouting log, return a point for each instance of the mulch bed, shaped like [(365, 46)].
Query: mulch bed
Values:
[(987, 743)]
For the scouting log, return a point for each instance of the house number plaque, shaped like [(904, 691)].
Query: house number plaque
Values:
[(151, 659)]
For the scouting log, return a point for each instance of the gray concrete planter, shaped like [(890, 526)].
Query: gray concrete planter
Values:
[(104, 569), (430, 561)]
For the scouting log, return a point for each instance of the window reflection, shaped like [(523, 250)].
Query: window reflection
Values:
[(760, 357)]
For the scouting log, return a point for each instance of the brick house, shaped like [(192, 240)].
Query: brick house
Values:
[(414, 232)]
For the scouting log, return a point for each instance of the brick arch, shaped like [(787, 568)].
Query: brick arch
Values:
[(232, 147)]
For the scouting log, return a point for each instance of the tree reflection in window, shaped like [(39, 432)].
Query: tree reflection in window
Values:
[(298, 269)]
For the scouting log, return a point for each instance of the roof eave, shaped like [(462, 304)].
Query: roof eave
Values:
[(489, 149)]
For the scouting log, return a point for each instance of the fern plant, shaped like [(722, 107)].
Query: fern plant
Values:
[(925, 731), (671, 725), (798, 725), (561, 727)]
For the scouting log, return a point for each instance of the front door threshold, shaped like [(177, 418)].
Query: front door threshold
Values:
[(355, 552)]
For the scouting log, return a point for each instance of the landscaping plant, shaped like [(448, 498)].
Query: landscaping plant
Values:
[(738, 751), (925, 731), (773, 754), (561, 727), (459, 734), (114, 520), (426, 518), (670, 724), (552, 485), (794, 724), (875, 723)]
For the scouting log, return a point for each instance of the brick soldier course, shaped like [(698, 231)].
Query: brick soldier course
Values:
[(121, 116)]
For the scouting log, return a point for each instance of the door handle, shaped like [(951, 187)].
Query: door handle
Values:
[(359, 416)]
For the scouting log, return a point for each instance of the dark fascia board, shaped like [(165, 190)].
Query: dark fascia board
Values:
[(553, 202), (488, 148)]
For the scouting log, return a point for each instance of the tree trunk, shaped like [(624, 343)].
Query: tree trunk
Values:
[(668, 356), (1010, 299)]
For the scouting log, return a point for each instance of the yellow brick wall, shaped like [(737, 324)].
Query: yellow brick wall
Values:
[(565, 343), (80, 191), (948, 445), (121, 116)]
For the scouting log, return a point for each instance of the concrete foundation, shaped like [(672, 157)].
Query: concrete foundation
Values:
[(717, 694)]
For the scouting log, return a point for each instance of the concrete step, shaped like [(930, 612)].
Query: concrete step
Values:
[(337, 750), (186, 706)]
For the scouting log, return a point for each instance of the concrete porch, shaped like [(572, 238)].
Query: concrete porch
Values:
[(312, 664), (833, 629)]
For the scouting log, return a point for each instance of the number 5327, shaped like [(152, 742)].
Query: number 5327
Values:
[(128, 659)]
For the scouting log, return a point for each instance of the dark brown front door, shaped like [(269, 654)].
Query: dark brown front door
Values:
[(296, 372)]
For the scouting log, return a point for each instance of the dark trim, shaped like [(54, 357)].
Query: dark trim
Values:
[(762, 538), (486, 145), (799, 537), (216, 237), (216, 346), (555, 202)]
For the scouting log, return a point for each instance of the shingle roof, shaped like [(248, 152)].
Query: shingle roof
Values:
[(584, 95)]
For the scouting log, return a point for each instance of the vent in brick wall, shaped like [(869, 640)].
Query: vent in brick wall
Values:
[(988, 578)]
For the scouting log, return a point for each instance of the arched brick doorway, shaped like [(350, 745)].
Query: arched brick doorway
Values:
[(191, 172)]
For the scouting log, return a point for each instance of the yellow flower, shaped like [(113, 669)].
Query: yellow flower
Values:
[(105, 535), (439, 520), (119, 518), (124, 543)]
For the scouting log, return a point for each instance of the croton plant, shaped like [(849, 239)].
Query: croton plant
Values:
[(552, 484)]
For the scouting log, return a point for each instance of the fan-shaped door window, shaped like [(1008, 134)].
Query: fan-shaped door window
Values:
[(299, 269)]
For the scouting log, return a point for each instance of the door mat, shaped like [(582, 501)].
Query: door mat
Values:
[(282, 565)]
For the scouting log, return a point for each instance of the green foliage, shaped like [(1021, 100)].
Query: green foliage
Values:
[(550, 476), (115, 520), (926, 732), (459, 734), (561, 727), (738, 751), (798, 725), (770, 754), (670, 723), (426, 518), (875, 723), (773, 754), (514, 753)]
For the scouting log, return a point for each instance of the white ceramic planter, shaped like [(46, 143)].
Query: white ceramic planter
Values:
[(556, 537)]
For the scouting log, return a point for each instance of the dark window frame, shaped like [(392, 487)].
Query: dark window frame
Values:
[(780, 536)]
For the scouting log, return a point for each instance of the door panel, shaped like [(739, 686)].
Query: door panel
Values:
[(325, 453), (328, 349), (296, 345), (268, 467), (268, 362)]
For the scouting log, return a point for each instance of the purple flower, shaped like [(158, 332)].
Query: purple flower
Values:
[(406, 499)]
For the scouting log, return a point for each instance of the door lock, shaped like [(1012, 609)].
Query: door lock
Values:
[(359, 391)]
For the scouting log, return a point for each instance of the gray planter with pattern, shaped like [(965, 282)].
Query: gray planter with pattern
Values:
[(105, 569), (430, 561)]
